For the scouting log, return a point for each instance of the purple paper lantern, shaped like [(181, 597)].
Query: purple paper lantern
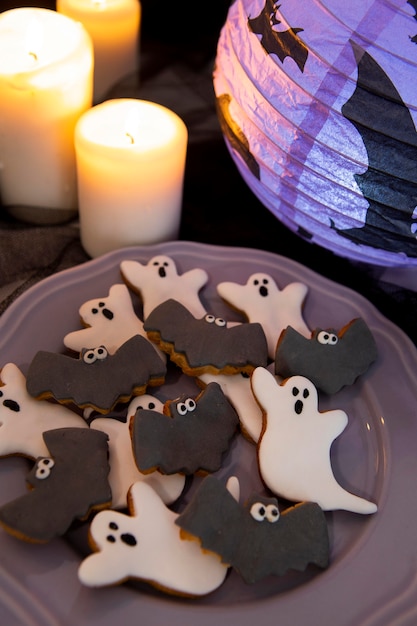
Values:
[(318, 106)]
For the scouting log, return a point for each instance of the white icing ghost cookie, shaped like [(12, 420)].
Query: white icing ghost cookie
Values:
[(108, 321), (294, 448), (23, 420), (159, 280), (123, 468), (146, 545), (261, 300)]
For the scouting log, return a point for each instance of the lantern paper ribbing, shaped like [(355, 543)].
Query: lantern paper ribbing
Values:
[(318, 105)]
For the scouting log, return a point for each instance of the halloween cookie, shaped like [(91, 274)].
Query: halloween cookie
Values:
[(67, 485), (206, 345), (294, 447), (97, 379), (23, 419), (261, 300), (109, 321), (158, 280), (146, 545), (192, 435), (330, 359), (256, 539)]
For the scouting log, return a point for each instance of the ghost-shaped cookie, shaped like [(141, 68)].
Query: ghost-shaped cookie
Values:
[(294, 448), (108, 321), (146, 545), (158, 280), (261, 300), (23, 420)]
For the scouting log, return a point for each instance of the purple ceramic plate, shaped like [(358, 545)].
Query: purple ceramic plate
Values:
[(371, 580)]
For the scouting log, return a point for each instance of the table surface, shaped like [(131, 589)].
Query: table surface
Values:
[(176, 64)]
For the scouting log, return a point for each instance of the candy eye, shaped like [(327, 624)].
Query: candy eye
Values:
[(272, 513), (326, 338), (219, 321), (210, 319), (43, 468), (186, 406), (95, 354), (258, 511)]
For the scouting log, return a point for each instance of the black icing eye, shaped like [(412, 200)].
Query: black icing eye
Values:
[(272, 513), (295, 391), (219, 321), (1, 393), (326, 338), (258, 511), (256, 282), (306, 393), (43, 468), (186, 406), (210, 319), (113, 526)]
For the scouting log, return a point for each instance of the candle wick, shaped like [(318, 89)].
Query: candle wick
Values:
[(130, 137), (34, 55)]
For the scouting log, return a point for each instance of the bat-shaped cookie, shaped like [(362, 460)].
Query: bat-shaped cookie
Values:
[(330, 359), (96, 379), (256, 539), (205, 345), (65, 487), (283, 43), (191, 436)]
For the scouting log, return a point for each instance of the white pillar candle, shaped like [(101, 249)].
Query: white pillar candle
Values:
[(114, 27), (46, 83), (130, 165)]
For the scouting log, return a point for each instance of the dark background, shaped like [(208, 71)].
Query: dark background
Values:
[(177, 53)]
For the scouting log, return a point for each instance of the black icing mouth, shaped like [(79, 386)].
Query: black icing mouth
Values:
[(263, 291), (12, 405), (161, 272), (108, 314)]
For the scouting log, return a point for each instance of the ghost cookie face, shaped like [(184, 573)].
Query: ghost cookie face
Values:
[(294, 447), (159, 280), (261, 300), (146, 545)]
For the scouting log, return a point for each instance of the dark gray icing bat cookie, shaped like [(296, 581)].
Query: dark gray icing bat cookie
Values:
[(330, 359), (256, 539), (204, 345), (66, 486), (192, 435), (96, 378)]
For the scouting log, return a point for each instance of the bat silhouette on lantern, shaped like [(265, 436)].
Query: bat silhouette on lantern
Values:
[(207, 344), (192, 435), (255, 539), (96, 379), (330, 359)]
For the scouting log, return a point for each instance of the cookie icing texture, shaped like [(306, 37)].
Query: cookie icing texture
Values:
[(294, 447), (158, 280), (146, 545), (261, 300)]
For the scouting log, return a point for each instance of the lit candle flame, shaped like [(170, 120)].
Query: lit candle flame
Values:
[(34, 38)]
